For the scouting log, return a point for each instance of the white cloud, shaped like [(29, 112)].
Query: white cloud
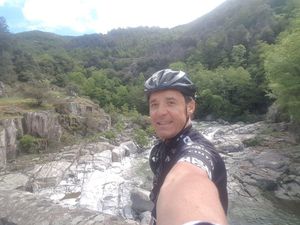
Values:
[(14, 3), (104, 15)]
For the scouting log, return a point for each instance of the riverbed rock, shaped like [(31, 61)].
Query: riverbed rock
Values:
[(23, 208), (140, 200), (96, 179)]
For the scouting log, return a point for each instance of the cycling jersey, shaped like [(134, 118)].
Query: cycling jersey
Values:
[(188, 146)]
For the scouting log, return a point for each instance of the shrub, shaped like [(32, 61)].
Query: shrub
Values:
[(28, 144), (110, 134), (141, 138)]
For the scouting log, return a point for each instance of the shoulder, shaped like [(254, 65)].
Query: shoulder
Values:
[(197, 150)]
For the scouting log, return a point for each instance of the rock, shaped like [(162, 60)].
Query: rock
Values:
[(145, 218), (140, 201), (49, 174), (82, 116), (271, 160), (289, 191), (10, 130), (118, 154), (129, 147), (2, 148), (230, 146), (13, 181), (42, 124), (23, 208), (13, 130), (100, 177), (2, 89)]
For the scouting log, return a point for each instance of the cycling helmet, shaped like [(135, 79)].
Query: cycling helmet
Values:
[(170, 79)]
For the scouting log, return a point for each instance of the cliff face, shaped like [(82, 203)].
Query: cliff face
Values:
[(75, 116), (82, 116), (10, 130), (42, 124)]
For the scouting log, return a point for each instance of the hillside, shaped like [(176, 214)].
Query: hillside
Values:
[(224, 51)]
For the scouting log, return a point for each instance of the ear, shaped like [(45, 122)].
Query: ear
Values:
[(191, 107)]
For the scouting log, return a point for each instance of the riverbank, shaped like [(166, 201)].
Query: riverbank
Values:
[(263, 175)]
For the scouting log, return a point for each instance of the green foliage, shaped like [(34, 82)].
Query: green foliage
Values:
[(39, 91), (110, 134), (282, 66), (29, 144), (221, 51), (238, 55), (226, 93), (141, 138)]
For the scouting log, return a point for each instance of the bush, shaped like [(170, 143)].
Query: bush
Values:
[(109, 134), (39, 91), (141, 138), (29, 144)]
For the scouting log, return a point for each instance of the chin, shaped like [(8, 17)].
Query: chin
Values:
[(165, 136)]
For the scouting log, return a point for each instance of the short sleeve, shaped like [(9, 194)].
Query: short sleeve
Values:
[(199, 156)]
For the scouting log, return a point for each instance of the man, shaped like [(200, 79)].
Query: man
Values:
[(189, 184)]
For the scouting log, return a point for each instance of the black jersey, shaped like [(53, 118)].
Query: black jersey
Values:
[(188, 146)]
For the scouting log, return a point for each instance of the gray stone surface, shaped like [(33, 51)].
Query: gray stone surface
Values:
[(23, 208)]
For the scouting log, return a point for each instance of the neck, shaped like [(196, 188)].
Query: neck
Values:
[(187, 126)]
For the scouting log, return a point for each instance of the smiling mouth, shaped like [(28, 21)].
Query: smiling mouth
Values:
[(164, 123)]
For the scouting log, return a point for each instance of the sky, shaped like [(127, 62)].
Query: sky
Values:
[(79, 17)]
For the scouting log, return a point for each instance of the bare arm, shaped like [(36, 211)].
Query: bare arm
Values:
[(188, 194)]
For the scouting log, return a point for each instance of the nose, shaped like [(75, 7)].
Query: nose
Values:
[(161, 109)]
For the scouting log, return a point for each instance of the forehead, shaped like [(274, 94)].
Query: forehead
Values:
[(165, 95)]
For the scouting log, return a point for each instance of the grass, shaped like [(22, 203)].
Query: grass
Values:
[(15, 101), (11, 107)]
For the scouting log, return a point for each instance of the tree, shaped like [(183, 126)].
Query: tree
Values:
[(7, 73), (3, 25), (25, 66), (39, 91), (238, 55), (283, 70)]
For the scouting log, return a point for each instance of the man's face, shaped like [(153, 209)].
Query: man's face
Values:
[(169, 112)]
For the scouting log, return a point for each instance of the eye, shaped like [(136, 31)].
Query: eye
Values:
[(170, 103), (153, 105)]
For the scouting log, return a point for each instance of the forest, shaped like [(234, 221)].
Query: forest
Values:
[(243, 57)]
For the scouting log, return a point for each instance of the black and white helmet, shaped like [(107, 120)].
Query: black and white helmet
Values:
[(170, 79)]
